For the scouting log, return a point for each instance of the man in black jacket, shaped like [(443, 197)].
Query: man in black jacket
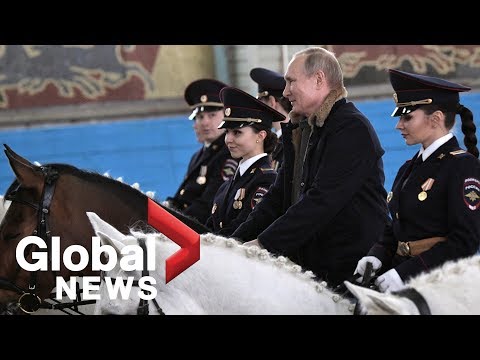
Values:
[(328, 204)]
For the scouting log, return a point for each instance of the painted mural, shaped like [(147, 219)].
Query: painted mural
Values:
[(46, 75), (436, 60), (51, 75)]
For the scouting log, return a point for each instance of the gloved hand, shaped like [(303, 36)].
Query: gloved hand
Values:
[(390, 281), (362, 265)]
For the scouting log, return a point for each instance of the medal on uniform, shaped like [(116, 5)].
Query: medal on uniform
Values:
[(239, 196), (427, 185), (389, 196), (202, 178), (422, 195)]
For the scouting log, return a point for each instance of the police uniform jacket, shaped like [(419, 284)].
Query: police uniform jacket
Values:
[(256, 180), (194, 198), (341, 211), (450, 209)]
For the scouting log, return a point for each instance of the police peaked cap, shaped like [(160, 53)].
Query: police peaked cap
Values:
[(414, 90), (269, 82), (242, 109), (203, 95)]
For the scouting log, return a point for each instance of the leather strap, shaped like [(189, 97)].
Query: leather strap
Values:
[(418, 246)]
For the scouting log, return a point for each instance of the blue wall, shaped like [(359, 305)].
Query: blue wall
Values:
[(155, 152)]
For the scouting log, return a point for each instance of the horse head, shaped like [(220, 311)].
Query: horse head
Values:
[(52, 200), (132, 303)]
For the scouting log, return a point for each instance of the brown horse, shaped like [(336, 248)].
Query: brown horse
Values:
[(52, 200)]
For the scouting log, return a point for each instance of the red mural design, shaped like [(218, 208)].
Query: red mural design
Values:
[(49, 75), (46, 75)]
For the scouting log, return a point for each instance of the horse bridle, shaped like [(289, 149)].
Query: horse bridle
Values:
[(143, 304), (29, 301), (409, 293), (415, 297)]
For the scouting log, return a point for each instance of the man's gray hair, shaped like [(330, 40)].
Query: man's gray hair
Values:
[(318, 58)]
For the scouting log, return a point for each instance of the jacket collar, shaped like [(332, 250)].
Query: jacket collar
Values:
[(318, 118)]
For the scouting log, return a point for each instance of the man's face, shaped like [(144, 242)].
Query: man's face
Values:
[(207, 123), (301, 90), (198, 134)]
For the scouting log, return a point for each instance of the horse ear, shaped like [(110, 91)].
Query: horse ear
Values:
[(107, 240), (106, 232), (376, 303), (12, 154), (26, 173)]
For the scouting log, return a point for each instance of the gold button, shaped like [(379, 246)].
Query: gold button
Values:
[(396, 214), (185, 206), (182, 191), (221, 224)]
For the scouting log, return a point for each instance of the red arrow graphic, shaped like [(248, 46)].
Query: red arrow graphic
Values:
[(178, 232)]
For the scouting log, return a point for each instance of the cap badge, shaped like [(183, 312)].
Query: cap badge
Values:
[(203, 98), (228, 111)]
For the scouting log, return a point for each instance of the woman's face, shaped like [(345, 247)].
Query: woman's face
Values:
[(417, 128), (244, 142)]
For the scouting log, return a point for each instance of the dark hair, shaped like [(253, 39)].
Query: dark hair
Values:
[(271, 139), (468, 126), (283, 101)]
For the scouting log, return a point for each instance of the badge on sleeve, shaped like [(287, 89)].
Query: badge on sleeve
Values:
[(229, 168), (471, 193), (258, 196)]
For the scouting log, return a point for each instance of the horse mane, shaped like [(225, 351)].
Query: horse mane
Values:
[(122, 189), (262, 255), (440, 274)]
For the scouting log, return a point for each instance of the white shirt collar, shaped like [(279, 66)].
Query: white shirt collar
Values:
[(279, 132), (244, 165), (434, 146)]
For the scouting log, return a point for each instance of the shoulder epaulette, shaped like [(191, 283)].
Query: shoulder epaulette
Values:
[(457, 152), (267, 170)]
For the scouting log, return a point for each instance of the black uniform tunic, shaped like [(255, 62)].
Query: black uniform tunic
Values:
[(450, 209), (195, 194), (227, 214)]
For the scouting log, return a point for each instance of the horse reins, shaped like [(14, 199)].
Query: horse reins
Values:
[(415, 297), (143, 304), (29, 301)]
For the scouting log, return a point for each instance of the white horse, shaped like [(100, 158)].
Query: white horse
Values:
[(452, 289), (229, 278)]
